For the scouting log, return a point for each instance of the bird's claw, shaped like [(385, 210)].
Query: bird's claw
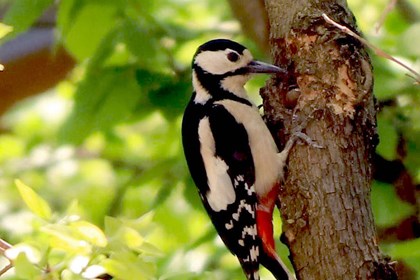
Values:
[(302, 136)]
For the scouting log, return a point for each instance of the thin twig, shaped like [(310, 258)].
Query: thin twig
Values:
[(377, 50), (388, 9), (6, 269), (3, 247)]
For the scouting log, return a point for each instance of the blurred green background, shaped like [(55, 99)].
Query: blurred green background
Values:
[(103, 182)]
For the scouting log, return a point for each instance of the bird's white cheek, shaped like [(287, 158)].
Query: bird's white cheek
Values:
[(221, 192), (215, 62)]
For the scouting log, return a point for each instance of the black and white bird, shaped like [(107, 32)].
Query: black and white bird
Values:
[(232, 156)]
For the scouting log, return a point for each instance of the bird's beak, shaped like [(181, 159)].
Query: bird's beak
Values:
[(261, 67)]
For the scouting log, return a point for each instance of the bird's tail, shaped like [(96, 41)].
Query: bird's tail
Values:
[(273, 263), (268, 255), (276, 267), (250, 270)]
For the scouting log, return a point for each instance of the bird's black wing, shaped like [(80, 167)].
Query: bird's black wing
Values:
[(221, 164)]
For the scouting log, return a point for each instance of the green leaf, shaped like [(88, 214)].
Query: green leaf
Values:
[(23, 13), (410, 40), (5, 29), (37, 205), (11, 147), (127, 265), (89, 25), (148, 52), (405, 249), (103, 99), (60, 238), (388, 208), (25, 269), (180, 276), (112, 226), (150, 249), (166, 92), (131, 237), (388, 138), (120, 234), (89, 232), (171, 98)]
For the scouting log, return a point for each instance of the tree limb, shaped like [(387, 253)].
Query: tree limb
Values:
[(254, 21)]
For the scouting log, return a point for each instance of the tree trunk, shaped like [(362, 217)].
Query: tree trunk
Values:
[(254, 21), (325, 202)]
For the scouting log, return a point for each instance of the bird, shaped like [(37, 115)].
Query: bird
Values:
[(232, 156)]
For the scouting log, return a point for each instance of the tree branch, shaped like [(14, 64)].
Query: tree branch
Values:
[(3, 247), (254, 21)]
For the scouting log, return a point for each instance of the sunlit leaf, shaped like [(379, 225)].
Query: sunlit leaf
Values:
[(90, 232), (30, 252), (126, 265), (10, 147), (37, 205), (150, 249), (122, 235), (25, 269), (61, 239), (142, 224), (180, 276), (131, 237), (5, 29), (112, 226)]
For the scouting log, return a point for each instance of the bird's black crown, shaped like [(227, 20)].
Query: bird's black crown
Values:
[(220, 44)]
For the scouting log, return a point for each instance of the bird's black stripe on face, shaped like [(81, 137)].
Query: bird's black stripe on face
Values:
[(212, 83)]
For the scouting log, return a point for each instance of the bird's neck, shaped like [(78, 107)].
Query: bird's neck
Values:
[(235, 85), (208, 87)]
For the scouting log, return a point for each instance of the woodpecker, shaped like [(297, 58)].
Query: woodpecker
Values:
[(231, 155)]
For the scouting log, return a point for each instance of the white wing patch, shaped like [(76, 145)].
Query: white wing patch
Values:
[(251, 230), (254, 252), (221, 192)]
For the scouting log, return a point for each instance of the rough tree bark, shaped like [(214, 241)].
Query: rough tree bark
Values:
[(325, 203)]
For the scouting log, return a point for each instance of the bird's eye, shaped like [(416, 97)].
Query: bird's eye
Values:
[(233, 56)]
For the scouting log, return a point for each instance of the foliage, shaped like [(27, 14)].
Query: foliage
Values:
[(103, 148), (398, 118), (66, 247)]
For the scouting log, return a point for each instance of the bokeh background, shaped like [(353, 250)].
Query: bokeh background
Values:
[(91, 101)]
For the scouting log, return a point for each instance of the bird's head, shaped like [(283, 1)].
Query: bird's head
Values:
[(221, 66)]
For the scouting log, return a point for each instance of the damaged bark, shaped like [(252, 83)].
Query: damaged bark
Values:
[(327, 94)]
